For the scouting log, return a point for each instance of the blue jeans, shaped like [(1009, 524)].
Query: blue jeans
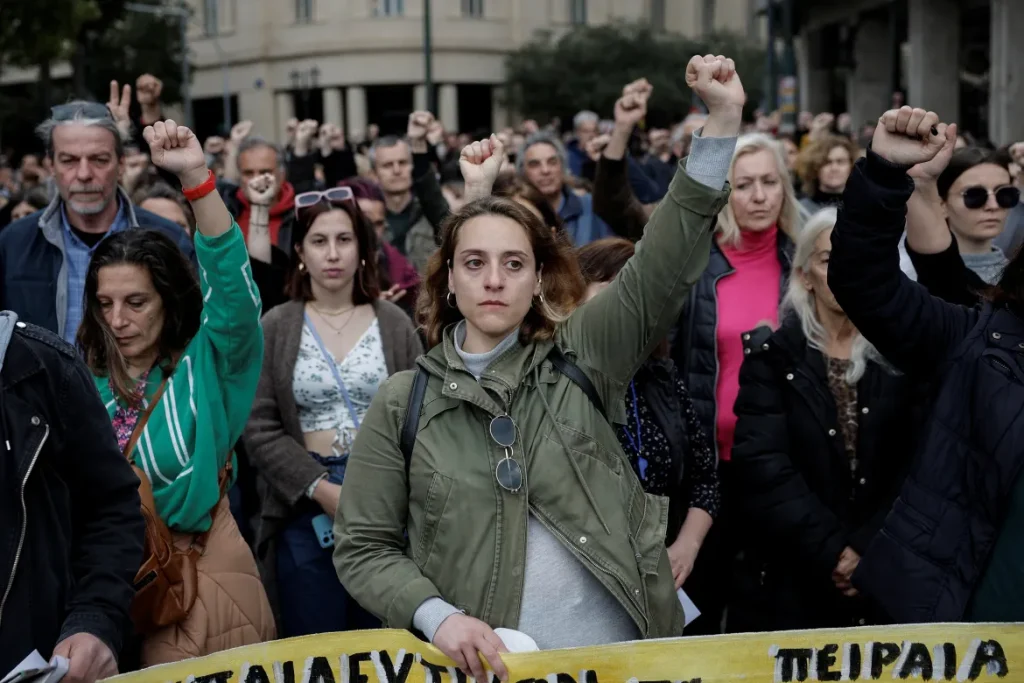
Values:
[(311, 597)]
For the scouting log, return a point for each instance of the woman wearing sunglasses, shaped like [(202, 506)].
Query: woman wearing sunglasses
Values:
[(327, 352), (950, 550), (176, 360), (966, 196), (517, 507)]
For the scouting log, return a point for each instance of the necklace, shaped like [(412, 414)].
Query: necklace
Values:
[(339, 329), (333, 314)]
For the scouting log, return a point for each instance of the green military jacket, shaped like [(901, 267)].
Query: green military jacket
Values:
[(466, 538)]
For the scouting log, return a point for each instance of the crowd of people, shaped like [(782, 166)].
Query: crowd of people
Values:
[(539, 381)]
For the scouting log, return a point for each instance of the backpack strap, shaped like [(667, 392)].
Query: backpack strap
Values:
[(578, 377), (412, 415)]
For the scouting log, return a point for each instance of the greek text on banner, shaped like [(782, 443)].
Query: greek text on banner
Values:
[(934, 652)]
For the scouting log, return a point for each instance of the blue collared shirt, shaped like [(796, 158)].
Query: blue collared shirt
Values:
[(77, 255)]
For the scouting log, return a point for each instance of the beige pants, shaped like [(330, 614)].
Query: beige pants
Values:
[(231, 608)]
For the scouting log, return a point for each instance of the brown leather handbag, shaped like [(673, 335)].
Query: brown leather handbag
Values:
[(167, 583)]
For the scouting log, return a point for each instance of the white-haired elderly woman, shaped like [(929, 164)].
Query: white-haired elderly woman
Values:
[(741, 288), (823, 439)]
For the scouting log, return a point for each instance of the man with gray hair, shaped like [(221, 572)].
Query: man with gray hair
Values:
[(44, 257), (542, 163), (584, 126), (415, 204)]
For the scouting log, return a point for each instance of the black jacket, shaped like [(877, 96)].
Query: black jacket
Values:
[(931, 552), (695, 344), (71, 530), (800, 504)]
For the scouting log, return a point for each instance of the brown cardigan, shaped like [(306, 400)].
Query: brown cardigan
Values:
[(273, 438)]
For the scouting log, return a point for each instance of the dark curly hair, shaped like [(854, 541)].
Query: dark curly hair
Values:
[(175, 282)]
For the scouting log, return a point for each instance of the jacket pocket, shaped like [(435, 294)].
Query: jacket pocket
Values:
[(660, 605), (434, 505), (581, 444)]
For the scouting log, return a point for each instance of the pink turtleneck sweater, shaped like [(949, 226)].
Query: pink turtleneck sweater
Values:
[(747, 298)]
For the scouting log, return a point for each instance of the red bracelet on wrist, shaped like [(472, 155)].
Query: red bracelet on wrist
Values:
[(202, 189)]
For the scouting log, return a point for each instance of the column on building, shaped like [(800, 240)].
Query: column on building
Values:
[(260, 107), (933, 31), (499, 115), (1006, 81), (448, 106), (355, 109), (419, 97), (813, 77), (333, 107), (284, 109), (869, 90)]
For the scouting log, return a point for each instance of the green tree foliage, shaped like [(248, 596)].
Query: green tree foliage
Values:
[(587, 67)]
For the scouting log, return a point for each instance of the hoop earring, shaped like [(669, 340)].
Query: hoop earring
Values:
[(450, 298)]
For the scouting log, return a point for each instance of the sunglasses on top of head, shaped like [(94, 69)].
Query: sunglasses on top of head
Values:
[(85, 110), (335, 195), (976, 197)]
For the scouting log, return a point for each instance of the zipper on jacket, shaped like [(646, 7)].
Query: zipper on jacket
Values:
[(24, 522), (718, 367)]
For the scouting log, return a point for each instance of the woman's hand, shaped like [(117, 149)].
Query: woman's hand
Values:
[(716, 82), (480, 163), (682, 554), (176, 149), (327, 495), (841, 575), (907, 137), (463, 639), (929, 171)]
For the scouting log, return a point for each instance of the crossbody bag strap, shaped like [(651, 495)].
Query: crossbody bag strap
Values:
[(140, 424)]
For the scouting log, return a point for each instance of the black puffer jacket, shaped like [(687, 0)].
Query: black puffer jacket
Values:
[(695, 344), (71, 526), (800, 502), (934, 547)]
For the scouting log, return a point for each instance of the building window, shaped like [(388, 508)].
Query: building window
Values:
[(577, 12), (473, 8), (388, 8), (303, 11), (658, 14), (211, 24)]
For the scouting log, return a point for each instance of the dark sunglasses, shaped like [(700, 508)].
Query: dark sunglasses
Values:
[(977, 196), (88, 110), (508, 472), (335, 195)]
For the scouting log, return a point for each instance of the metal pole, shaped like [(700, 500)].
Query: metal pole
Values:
[(186, 77), (428, 76), (773, 76), (789, 63), (225, 97)]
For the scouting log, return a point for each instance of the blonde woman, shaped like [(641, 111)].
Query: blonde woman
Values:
[(823, 443), (740, 289)]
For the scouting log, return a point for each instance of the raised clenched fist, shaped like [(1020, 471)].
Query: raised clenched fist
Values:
[(480, 162), (631, 108), (214, 145), (595, 146), (240, 131), (176, 149), (716, 82), (929, 171), (148, 89), (305, 131), (420, 123), (907, 137), (262, 189)]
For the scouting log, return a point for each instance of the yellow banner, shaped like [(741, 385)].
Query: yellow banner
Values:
[(936, 652)]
